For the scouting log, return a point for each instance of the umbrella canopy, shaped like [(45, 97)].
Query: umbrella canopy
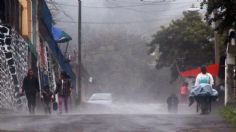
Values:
[(213, 69), (60, 36)]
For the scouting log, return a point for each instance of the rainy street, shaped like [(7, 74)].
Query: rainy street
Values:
[(140, 118), (117, 66)]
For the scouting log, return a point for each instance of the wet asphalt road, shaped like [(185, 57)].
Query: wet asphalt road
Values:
[(115, 123), (144, 121)]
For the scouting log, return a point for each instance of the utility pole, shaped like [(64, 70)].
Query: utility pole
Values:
[(217, 55), (217, 48), (79, 64)]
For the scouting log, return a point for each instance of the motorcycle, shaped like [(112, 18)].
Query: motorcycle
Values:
[(203, 104)]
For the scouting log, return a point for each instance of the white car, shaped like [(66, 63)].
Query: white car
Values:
[(101, 98), (193, 9)]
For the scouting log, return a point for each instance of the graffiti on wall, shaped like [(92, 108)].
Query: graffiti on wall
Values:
[(13, 67)]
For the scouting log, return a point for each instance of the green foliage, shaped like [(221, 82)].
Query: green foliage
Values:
[(222, 11), (222, 39), (184, 44), (229, 113)]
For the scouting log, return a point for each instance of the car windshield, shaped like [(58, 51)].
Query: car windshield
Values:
[(101, 96)]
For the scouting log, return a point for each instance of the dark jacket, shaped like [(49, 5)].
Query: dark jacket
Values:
[(30, 85), (47, 94), (63, 89), (172, 100)]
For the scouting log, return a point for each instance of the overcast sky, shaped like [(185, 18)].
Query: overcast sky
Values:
[(138, 17)]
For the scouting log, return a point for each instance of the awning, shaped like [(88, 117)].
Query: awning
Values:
[(59, 35), (65, 66), (213, 69), (46, 14), (47, 19)]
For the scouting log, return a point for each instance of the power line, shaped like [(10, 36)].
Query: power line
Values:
[(124, 23), (142, 11), (115, 23), (148, 13), (122, 6), (58, 8), (137, 5), (151, 13)]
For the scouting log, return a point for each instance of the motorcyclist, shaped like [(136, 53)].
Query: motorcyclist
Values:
[(203, 80), (204, 77)]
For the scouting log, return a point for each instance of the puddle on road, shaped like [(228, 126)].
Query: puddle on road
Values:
[(121, 108), (117, 113)]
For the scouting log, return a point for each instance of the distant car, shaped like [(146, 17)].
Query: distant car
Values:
[(193, 9), (101, 98)]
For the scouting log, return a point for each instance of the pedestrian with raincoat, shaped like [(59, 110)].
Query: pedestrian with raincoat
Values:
[(31, 88), (63, 90)]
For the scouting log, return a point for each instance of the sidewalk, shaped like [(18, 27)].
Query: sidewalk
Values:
[(5, 111), (8, 131)]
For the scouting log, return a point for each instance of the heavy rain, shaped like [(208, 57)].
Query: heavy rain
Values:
[(117, 66)]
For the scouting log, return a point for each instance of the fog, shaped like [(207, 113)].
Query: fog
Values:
[(114, 38), (114, 53)]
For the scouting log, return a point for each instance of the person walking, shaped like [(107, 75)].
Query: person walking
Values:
[(172, 103), (184, 92), (63, 90), (31, 88), (47, 99)]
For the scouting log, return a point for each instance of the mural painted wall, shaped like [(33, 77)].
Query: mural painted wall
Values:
[(13, 67)]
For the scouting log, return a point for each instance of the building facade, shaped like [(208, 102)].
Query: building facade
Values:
[(26, 41), (230, 69)]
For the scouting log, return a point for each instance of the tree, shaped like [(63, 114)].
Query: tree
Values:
[(222, 11), (184, 44), (118, 62)]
